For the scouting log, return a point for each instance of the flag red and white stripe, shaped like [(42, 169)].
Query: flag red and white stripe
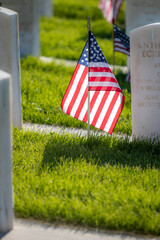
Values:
[(102, 78), (110, 9), (120, 48), (105, 106), (106, 100)]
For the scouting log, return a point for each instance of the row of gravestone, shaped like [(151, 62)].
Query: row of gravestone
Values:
[(10, 90), (29, 12), (19, 17)]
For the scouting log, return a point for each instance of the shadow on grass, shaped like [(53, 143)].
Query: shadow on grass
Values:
[(102, 150)]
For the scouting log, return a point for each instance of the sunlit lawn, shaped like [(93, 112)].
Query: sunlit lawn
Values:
[(103, 182)]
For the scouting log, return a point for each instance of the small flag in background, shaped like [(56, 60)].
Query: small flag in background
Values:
[(128, 77), (106, 100), (121, 41), (110, 9), (122, 44)]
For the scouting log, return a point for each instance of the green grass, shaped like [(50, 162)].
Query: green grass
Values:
[(64, 35), (65, 38), (82, 9), (43, 86), (103, 182), (77, 9)]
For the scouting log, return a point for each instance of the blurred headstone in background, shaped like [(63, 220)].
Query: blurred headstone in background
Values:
[(46, 8), (141, 12), (10, 59), (28, 24), (145, 80)]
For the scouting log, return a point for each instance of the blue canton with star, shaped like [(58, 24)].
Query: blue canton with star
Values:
[(95, 53)]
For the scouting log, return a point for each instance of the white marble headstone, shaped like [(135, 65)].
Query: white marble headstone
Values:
[(141, 12), (28, 11), (145, 80), (6, 195), (45, 8), (10, 59)]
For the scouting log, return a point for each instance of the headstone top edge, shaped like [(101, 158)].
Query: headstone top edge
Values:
[(7, 11), (4, 75), (143, 27)]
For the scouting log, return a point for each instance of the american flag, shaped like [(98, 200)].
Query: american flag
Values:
[(105, 105), (121, 41), (110, 9)]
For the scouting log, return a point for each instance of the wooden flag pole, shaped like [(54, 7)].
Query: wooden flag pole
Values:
[(89, 29)]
